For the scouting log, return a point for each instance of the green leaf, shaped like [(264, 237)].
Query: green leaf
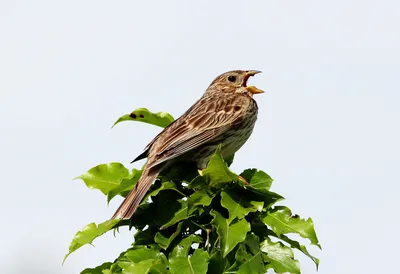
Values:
[(142, 267), (165, 241), (281, 221), (258, 180), (271, 198), (97, 270), (161, 119), (143, 252), (280, 257), (234, 204), (198, 182), (202, 197), (249, 256), (217, 264), (125, 186), (160, 267), (302, 248), (150, 266), (182, 263), (182, 249), (230, 234), (195, 264), (88, 234), (164, 186), (105, 177), (217, 170), (143, 237), (180, 213), (115, 268), (257, 206), (143, 260)]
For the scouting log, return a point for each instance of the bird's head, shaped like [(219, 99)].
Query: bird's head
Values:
[(234, 81)]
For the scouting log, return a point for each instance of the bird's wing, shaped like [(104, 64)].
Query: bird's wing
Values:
[(205, 120), (145, 153)]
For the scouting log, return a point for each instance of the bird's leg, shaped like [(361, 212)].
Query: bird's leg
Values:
[(243, 180)]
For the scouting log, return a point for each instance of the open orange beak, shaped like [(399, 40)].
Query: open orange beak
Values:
[(252, 89)]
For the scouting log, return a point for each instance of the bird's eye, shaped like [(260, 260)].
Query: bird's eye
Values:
[(232, 78)]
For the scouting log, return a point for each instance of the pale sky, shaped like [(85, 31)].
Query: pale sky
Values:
[(328, 128)]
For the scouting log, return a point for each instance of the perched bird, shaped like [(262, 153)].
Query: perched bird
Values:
[(225, 114)]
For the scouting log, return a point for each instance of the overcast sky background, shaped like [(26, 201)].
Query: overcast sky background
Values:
[(328, 128)]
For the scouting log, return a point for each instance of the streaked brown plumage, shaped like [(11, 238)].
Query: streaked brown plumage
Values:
[(225, 114)]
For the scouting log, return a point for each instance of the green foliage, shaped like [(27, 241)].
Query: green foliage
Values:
[(88, 234), (161, 119), (281, 221), (280, 257), (111, 179), (190, 223)]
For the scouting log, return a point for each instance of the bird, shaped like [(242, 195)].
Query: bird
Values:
[(224, 116)]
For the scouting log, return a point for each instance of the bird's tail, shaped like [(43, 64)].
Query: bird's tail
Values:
[(135, 196)]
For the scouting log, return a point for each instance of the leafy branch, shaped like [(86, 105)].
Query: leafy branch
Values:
[(191, 223)]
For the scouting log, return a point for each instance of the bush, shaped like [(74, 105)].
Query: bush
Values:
[(191, 223)]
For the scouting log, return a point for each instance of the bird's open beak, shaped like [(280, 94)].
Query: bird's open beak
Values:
[(252, 89)]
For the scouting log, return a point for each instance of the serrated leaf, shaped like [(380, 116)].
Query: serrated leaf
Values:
[(233, 203), (161, 119), (125, 185), (180, 261), (182, 249), (114, 269), (262, 231), (258, 180), (142, 267), (217, 171), (281, 221), (297, 245), (195, 264), (164, 186), (88, 234), (143, 252), (180, 213), (280, 257), (165, 241), (230, 234), (143, 260), (249, 256), (105, 177), (270, 198), (159, 267), (97, 270), (150, 266), (202, 197), (257, 206)]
